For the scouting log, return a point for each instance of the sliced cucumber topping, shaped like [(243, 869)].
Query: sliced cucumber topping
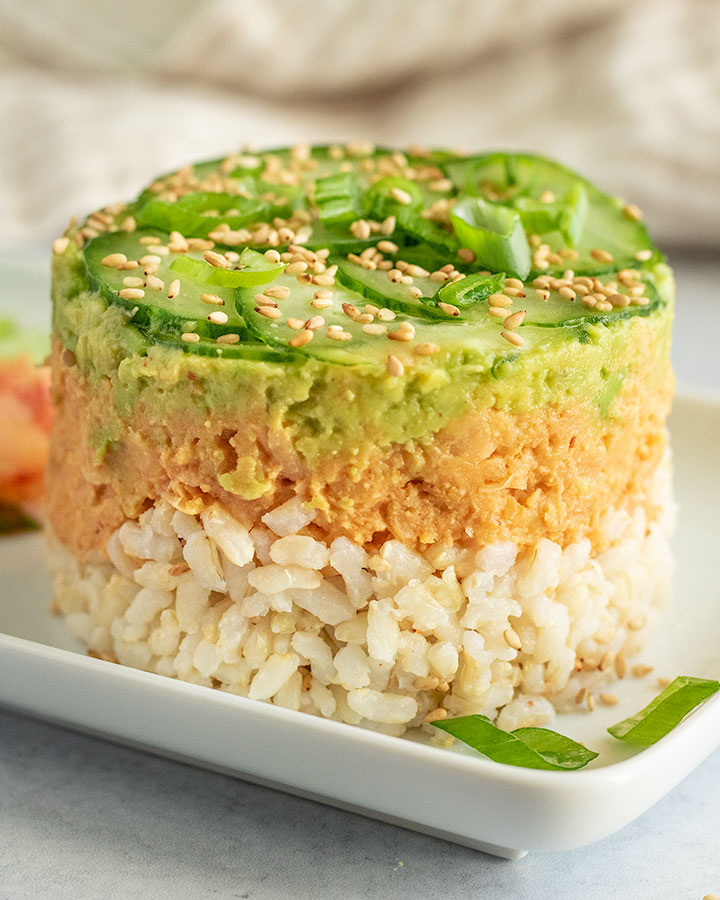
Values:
[(369, 253)]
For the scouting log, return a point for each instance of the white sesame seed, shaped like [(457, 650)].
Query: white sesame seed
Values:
[(643, 255), (375, 328), (601, 255), (513, 338), (155, 283), (112, 260), (467, 255), (388, 225), (190, 337), (228, 339), (131, 293), (295, 324), (212, 299), (394, 366), (400, 196), (386, 315), (517, 318), (301, 338), (449, 309), (387, 247), (215, 259), (314, 322), (218, 317), (270, 312), (279, 292), (427, 348), (60, 245), (133, 281), (498, 312), (174, 289), (272, 256), (500, 300)]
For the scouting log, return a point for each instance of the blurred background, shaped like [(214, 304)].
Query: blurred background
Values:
[(98, 96)]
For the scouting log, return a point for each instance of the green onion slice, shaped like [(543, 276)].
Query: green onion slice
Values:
[(495, 233), (188, 214), (337, 198), (388, 196), (471, 290), (567, 217), (252, 269), (666, 711), (530, 748)]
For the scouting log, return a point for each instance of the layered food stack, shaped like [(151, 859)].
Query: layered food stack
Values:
[(373, 434)]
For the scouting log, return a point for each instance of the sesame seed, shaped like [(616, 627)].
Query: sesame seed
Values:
[(640, 301), (449, 309), (279, 292), (301, 338), (547, 197), (591, 702), (339, 335), (433, 716), (113, 260), (228, 339), (663, 683), (387, 247), (394, 366), (149, 239), (512, 638), (322, 295), (190, 337), (150, 259), (270, 312), (352, 312), (618, 301), (500, 300), (620, 666), (295, 324), (131, 293), (581, 694), (632, 211), (641, 670), (441, 184), (174, 289), (609, 699), (567, 292), (427, 348), (400, 196), (388, 226), (155, 283), (513, 292), (375, 328), (543, 295), (512, 322), (320, 303), (643, 255), (325, 279), (513, 338), (364, 317), (272, 256), (386, 315), (415, 293), (215, 259), (402, 333), (212, 299), (513, 283), (601, 255), (497, 312), (133, 281), (360, 229), (128, 224), (218, 317), (60, 245), (314, 322)]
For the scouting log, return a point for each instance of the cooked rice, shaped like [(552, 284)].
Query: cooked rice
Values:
[(381, 638)]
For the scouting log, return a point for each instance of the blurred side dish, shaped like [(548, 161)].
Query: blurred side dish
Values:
[(26, 416)]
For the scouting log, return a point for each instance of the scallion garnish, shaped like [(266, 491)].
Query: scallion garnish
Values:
[(666, 711), (495, 233), (189, 214), (530, 748), (337, 198), (567, 217), (471, 290), (253, 269)]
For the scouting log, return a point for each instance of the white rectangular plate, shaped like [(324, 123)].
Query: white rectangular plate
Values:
[(455, 794)]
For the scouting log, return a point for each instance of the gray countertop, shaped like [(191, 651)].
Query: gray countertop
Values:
[(82, 819)]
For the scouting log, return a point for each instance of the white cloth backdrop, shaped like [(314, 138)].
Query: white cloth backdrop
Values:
[(97, 96)]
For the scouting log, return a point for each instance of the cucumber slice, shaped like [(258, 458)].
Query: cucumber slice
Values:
[(520, 181), (154, 312)]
